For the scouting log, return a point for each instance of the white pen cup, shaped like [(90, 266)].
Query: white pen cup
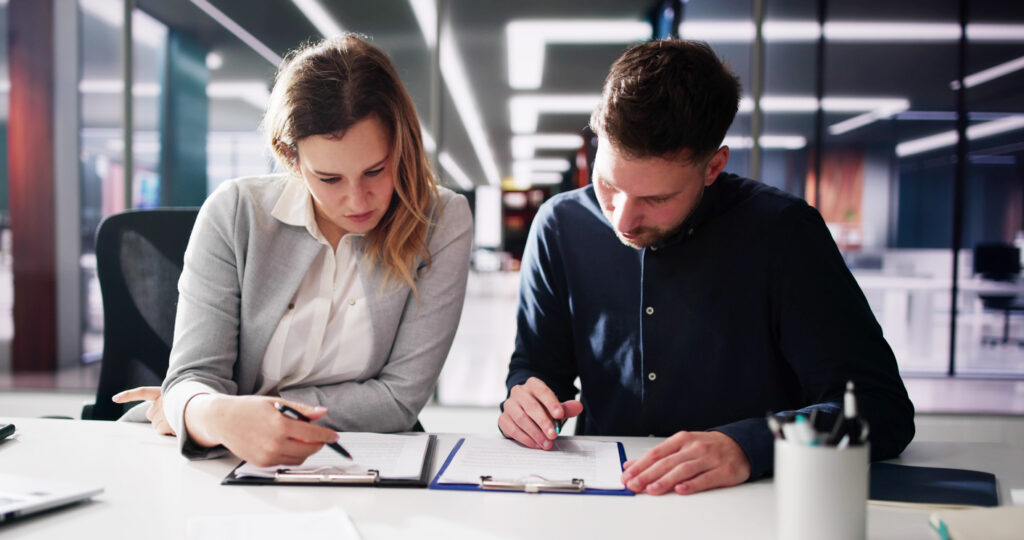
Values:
[(821, 492)]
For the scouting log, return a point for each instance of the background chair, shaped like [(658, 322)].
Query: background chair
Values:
[(999, 262), (139, 256)]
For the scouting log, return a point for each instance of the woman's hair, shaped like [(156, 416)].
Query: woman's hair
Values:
[(327, 87)]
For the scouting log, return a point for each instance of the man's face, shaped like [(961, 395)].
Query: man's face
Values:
[(647, 199)]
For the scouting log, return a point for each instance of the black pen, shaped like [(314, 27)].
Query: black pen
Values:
[(558, 426), (296, 415)]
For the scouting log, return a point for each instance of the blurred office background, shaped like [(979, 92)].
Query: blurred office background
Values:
[(902, 121)]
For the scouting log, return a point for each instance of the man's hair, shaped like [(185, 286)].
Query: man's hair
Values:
[(665, 97), (325, 88)]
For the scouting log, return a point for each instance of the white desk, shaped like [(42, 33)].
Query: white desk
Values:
[(151, 492)]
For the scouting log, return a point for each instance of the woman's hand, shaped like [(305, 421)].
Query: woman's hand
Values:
[(155, 414), (253, 429)]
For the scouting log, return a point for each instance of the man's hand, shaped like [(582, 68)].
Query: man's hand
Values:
[(253, 429), (155, 414), (529, 412), (688, 462)]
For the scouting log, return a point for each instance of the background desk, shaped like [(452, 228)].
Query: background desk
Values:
[(152, 492)]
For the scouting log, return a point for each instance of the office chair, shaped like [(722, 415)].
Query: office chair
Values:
[(139, 256), (999, 262)]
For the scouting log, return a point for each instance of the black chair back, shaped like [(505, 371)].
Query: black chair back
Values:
[(139, 257), (997, 262)]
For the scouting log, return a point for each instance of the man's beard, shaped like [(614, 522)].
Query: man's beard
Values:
[(644, 236)]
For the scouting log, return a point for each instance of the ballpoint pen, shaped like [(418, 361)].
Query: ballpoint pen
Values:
[(558, 426), (849, 428), (296, 415)]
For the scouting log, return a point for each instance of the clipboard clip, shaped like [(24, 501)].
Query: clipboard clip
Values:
[(327, 475), (533, 484)]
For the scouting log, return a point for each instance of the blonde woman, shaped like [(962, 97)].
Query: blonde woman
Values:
[(335, 288)]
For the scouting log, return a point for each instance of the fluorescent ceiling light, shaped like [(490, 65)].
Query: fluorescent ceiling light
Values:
[(527, 172), (544, 164), (446, 161), (455, 171), (791, 31), (526, 41), (526, 146), (743, 31), (526, 109), (254, 93), (891, 31), (453, 72), (116, 86), (989, 74), (426, 14), (784, 142), (718, 31), (238, 31), (949, 138), (885, 111), (318, 16), (145, 29), (995, 32)]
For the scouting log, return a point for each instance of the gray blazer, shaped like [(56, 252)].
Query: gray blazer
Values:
[(243, 267)]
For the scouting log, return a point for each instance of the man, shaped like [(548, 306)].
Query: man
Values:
[(687, 300)]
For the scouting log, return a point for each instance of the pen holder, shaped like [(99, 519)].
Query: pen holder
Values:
[(821, 492)]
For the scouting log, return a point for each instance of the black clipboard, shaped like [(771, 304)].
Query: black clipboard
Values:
[(370, 478)]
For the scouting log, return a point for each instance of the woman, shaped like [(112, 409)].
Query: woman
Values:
[(335, 289)]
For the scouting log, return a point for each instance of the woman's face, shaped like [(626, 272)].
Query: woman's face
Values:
[(351, 178)]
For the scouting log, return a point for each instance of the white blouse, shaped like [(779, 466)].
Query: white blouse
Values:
[(325, 336)]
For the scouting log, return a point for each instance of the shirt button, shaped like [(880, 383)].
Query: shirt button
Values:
[(291, 306), (689, 232), (651, 376), (649, 310), (351, 302)]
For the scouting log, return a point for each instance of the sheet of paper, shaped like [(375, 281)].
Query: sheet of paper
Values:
[(333, 523), (398, 457), (596, 462)]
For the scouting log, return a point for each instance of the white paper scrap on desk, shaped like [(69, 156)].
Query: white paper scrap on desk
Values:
[(397, 457), (333, 523), (596, 462)]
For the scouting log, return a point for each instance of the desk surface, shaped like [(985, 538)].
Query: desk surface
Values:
[(151, 492)]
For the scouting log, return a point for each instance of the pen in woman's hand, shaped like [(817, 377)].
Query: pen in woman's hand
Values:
[(296, 415)]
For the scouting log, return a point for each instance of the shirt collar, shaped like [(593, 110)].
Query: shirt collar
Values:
[(295, 207), (704, 211)]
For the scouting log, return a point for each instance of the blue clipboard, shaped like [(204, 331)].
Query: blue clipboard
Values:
[(564, 488)]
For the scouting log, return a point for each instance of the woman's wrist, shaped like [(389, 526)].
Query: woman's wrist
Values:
[(199, 414)]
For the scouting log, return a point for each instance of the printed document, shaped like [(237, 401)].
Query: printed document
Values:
[(397, 457), (596, 462)]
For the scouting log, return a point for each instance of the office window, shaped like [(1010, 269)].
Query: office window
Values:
[(102, 135)]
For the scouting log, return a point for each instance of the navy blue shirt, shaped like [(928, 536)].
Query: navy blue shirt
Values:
[(747, 308)]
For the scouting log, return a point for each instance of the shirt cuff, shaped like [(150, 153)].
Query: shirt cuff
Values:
[(175, 401), (757, 442)]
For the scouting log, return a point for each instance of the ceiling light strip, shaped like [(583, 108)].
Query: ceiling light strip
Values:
[(453, 72), (455, 171), (527, 40), (989, 74), (526, 146), (742, 31), (319, 17), (238, 31), (949, 138)]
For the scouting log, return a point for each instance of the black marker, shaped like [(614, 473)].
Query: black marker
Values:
[(296, 415)]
